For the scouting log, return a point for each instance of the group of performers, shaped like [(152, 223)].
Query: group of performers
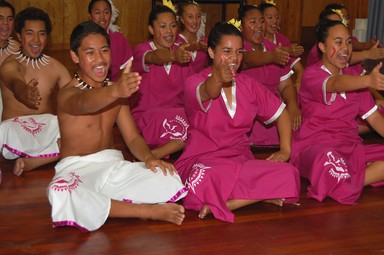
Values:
[(208, 98)]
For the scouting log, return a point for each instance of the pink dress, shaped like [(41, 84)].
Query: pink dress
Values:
[(158, 107), (327, 149), (121, 52), (270, 77), (217, 164), (199, 58)]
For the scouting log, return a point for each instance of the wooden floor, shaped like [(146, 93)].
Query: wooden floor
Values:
[(312, 228)]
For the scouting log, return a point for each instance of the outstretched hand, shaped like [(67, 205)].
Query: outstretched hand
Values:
[(30, 95), (280, 56), (377, 78), (182, 55), (128, 83)]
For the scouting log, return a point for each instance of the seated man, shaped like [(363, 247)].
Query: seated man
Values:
[(8, 46), (29, 131), (93, 181)]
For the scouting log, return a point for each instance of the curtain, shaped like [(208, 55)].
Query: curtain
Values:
[(375, 25)]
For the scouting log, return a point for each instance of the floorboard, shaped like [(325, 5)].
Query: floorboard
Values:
[(312, 228)]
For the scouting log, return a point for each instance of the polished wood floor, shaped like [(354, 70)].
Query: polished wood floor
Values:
[(312, 228)]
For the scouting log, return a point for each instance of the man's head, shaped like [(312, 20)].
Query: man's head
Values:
[(7, 19), (32, 26), (90, 50)]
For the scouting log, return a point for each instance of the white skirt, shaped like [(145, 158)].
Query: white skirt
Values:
[(81, 191)]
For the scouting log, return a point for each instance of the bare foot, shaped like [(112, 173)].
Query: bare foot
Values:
[(18, 168), (279, 201), (170, 212), (204, 212)]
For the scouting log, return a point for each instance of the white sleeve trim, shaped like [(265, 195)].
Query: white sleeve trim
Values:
[(125, 64), (284, 77), (276, 115), (369, 112), (333, 96), (199, 99), (145, 67), (295, 62)]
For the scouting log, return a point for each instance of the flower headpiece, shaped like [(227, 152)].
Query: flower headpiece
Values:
[(343, 20), (271, 2), (194, 2), (115, 13), (169, 4), (235, 23)]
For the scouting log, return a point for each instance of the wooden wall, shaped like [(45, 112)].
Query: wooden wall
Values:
[(133, 16)]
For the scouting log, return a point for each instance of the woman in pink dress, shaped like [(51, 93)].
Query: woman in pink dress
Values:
[(104, 13), (276, 78), (328, 150), (190, 22), (217, 165), (272, 33), (158, 107)]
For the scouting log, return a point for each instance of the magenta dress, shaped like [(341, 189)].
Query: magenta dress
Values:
[(199, 58), (327, 149), (158, 106), (217, 164), (121, 52), (270, 77)]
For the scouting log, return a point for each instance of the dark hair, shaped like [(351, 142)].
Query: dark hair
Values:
[(83, 30), (327, 12), (264, 6), (158, 9), (219, 30), (92, 3), (334, 6), (32, 13), (5, 4), (180, 10), (242, 11), (322, 29)]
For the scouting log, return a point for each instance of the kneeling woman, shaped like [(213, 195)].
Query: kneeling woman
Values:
[(217, 165)]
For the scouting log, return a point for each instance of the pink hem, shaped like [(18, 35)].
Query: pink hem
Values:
[(69, 224), (24, 155)]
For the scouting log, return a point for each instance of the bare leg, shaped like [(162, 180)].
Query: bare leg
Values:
[(374, 173), (238, 203), (28, 164), (169, 212), (168, 148)]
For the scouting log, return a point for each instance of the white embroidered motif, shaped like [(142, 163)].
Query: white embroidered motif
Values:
[(176, 128), (338, 168), (30, 125), (69, 183), (196, 176)]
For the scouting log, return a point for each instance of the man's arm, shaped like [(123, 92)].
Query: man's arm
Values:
[(13, 78)]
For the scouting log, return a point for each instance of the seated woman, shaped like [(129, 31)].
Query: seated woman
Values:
[(328, 150), (189, 14), (217, 164), (158, 107), (276, 78)]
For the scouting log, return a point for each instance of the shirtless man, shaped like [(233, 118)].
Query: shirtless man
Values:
[(7, 44), (93, 181), (29, 131)]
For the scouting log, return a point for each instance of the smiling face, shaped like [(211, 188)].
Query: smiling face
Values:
[(33, 38), (101, 14), (252, 26), (6, 23), (272, 20), (164, 30), (191, 18), (337, 48), (229, 51), (93, 59)]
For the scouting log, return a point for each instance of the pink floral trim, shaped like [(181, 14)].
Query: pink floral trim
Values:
[(127, 200), (24, 155), (177, 196), (69, 224)]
